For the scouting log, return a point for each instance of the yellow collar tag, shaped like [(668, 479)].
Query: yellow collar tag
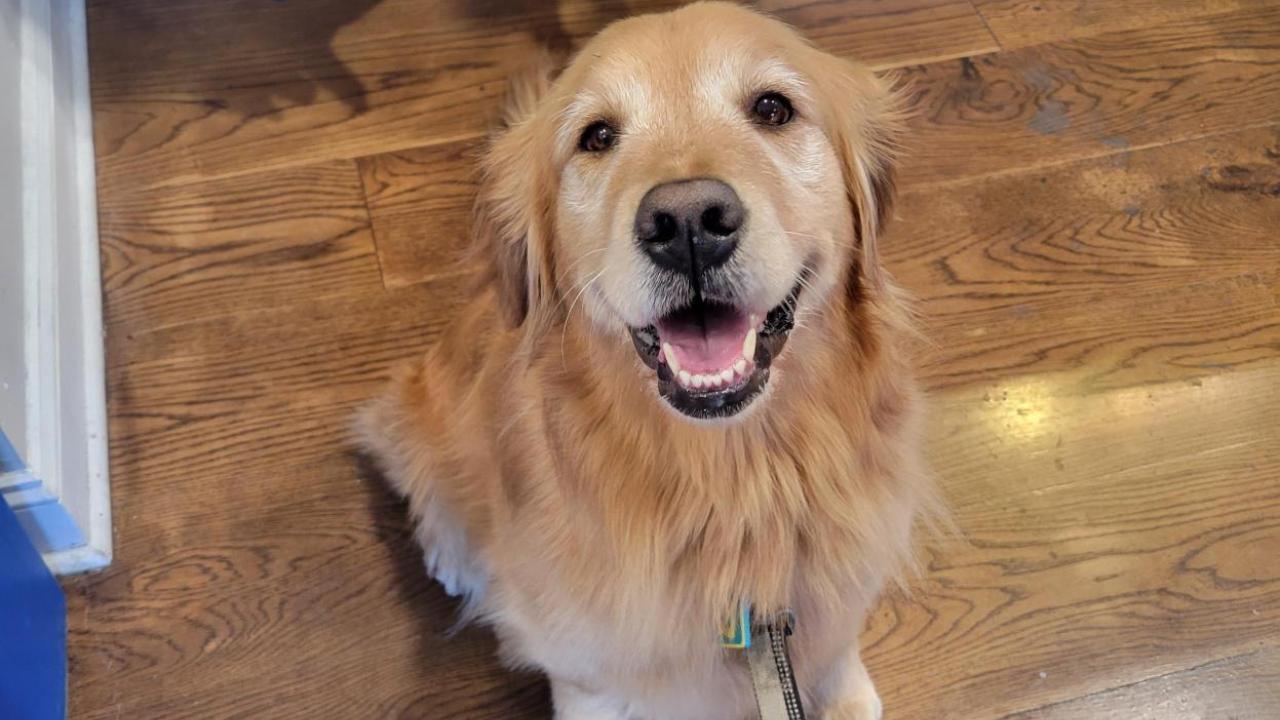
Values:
[(736, 632)]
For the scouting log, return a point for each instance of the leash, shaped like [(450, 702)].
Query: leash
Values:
[(772, 678)]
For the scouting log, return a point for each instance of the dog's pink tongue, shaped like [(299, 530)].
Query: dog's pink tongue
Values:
[(703, 352)]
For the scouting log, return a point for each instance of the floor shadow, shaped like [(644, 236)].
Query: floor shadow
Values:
[(303, 34), (546, 21), (255, 59), (311, 29), (522, 694)]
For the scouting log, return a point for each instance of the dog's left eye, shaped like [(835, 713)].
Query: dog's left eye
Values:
[(773, 109), (597, 137)]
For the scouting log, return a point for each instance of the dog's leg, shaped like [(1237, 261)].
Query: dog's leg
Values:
[(852, 695), (447, 554), (574, 703)]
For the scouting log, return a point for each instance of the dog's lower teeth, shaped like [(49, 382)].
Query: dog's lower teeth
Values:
[(737, 372)]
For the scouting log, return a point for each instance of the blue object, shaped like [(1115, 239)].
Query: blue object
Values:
[(9, 460), (33, 630), (47, 522)]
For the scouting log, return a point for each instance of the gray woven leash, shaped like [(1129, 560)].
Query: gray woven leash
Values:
[(777, 697)]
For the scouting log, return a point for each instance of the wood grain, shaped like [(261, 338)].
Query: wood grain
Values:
[(1109, 537), (341, 79), (889, 34), (1019, 23), (420, 206), (1102, 95), (1164, 259), (204, 250), (1090, 226), (254, 553), (1243, 687)]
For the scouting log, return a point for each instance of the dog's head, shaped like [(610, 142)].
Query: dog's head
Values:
[(688, 184)]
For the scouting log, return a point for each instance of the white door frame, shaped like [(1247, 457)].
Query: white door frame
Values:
[(52, 399)]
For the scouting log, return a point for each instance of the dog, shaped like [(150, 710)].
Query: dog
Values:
[(685, 382)]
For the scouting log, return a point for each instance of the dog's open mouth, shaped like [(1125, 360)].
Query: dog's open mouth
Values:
[(712, 358)]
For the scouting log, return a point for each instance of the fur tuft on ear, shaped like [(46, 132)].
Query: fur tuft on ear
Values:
[(864, 118), (513, 210)]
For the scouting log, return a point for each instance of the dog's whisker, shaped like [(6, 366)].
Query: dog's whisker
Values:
[(564, 328), (569, 271), (585, 256)]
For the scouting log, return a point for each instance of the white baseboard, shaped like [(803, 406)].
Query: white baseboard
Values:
[(52, 399)]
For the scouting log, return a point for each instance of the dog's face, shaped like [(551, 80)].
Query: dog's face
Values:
[(689, 184)]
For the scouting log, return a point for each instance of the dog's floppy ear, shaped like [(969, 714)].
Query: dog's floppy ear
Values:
[(514, 208), (863, 116)]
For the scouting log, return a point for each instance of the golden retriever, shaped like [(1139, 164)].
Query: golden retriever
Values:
[(684, 384)]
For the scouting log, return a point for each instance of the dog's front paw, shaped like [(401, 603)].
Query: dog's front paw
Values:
[(866, 706)]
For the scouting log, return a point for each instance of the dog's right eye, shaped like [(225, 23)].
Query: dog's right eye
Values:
[(598, 137), (773, 109)]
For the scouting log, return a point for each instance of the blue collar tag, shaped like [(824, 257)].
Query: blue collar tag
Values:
[(736, 633)]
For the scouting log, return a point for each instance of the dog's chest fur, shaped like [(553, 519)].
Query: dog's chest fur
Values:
[(650, 537), (607, 544)]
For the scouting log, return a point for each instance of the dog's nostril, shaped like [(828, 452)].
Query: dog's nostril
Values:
[(717, 222), (662, 228)]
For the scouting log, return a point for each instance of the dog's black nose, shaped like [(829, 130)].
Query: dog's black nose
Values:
[(689, 226)]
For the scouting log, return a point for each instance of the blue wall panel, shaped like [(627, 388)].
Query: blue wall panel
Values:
[(33, 630)]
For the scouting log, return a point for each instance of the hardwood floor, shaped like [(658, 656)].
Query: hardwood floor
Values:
[(1090, 215)]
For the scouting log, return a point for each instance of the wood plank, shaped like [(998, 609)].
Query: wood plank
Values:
[(209, 249), (339, 79), (1110, 537), (270, 389), (889, 34), (1096, 96), (1181, 334), (1163, 258), (1103, 228), (290, 610), (420, 206), (1239, 687), (241, 510), (1019, 23)]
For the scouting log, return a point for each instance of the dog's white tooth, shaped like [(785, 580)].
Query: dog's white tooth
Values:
[(726, 376), (740, 367), (672, 362), (749, 345), (699, 381), (685, 378)]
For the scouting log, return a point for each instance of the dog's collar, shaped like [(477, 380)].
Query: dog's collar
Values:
[(764, 639)]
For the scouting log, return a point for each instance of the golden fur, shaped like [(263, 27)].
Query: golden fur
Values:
[(604, 537)]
